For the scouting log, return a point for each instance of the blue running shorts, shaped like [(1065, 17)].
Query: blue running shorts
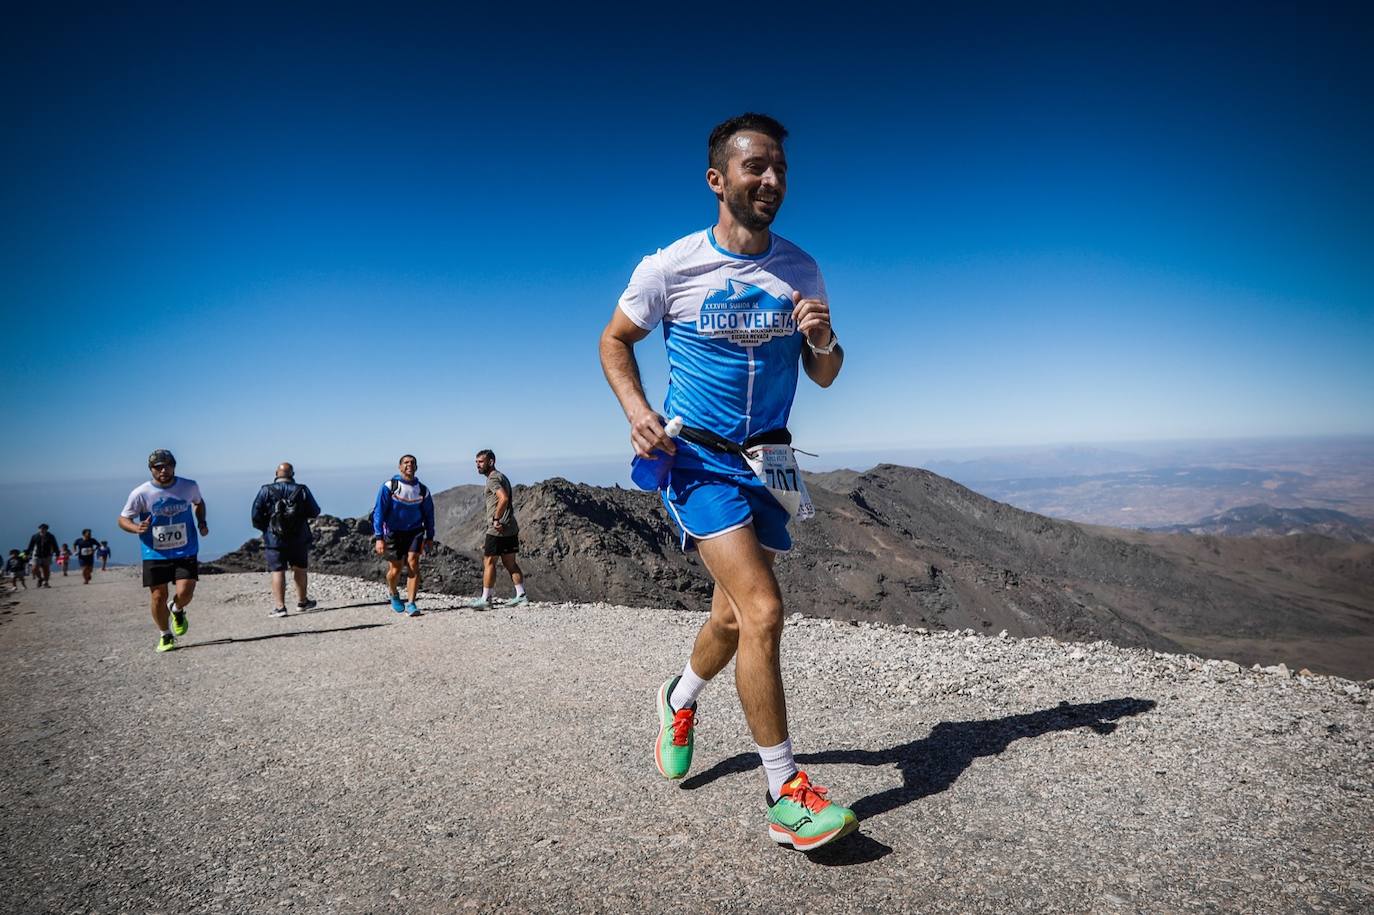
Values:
[(704, 504)]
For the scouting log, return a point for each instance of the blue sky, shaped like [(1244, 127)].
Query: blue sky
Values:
[(331, 237)]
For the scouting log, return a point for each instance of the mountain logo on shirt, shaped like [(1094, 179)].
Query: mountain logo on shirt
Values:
[(169, 507), (746, 315)]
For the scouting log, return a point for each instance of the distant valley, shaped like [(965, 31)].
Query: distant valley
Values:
[(1181, 484)]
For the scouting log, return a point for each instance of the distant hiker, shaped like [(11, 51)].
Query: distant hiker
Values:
[(503, 535), (282, 511), (103, 554), (16, 569), (64, 558), (42, 551), (85, 554), (742, 310), (167, 513), (402, 522)]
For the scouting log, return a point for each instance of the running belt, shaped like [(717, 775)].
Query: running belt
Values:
[(708, 439)]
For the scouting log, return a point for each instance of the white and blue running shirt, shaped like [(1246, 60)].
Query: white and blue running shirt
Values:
[(172, 533), (733, 347)]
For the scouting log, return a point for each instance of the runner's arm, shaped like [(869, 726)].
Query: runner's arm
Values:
[(379, 512), (813, 320), (132, 526), (200, 518), (259, 515), (622, 374)]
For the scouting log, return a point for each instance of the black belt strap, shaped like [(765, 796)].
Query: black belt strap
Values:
[(708, 439)]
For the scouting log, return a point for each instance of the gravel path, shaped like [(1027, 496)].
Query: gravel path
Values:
[(352, 760)]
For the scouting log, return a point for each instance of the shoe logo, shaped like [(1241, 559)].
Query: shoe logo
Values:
[(794, 826)]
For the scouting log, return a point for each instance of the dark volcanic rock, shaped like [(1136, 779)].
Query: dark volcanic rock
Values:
[(900, 545), (343, 546)]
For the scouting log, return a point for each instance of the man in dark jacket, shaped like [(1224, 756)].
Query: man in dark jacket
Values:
[(282, 511), (42, 551)]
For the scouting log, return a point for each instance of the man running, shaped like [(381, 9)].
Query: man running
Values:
[(103, 554), (167, 513), (742, 309), (402, 522), (503, 535), (282, 511), (85, 554), (42, 551)]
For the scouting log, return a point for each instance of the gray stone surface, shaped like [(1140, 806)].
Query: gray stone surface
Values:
[(352, 760)]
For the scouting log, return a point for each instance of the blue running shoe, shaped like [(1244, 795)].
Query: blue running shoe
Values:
[(397, 604), (412, 610)]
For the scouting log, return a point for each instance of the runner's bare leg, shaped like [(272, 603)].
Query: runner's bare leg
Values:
[(744, 570)]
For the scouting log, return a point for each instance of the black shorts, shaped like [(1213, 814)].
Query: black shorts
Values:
[(295, 555), (165, 571), (501, 544), (400, 543), (86, 561)]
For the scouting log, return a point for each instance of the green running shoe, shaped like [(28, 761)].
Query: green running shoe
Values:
[(803, 818), (676, 734), (516, 601), (166, 643), (479, 603), (179, 621)]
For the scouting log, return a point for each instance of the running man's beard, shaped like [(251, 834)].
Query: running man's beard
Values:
[(742, 209)]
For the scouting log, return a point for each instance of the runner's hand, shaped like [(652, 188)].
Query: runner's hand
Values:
[(813, 319), (144, 525), (646, 434), (204, 530), (381, 547)]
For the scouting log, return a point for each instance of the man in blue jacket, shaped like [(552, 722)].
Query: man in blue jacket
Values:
[(402, 522), (282, 511)]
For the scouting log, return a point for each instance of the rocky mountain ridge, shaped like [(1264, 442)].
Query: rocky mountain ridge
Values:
[(905, 546), (1263, 520)]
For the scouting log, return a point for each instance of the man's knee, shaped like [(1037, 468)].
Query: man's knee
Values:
[(761, 616), (726, 626)]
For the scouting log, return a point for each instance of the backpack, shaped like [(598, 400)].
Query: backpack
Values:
[(288, 517)]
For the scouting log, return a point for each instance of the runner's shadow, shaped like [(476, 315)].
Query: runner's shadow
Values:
[(931, 764), (370, 603), (280, 635)]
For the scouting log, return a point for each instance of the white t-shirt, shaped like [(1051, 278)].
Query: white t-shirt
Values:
[(173, 533)]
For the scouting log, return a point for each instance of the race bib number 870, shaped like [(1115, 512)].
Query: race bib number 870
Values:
[(169, 536)]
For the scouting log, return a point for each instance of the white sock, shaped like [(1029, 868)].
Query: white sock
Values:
[(166, 632), (172, 605), (519, 590), (779, 765), (487, 593), (689, 686)]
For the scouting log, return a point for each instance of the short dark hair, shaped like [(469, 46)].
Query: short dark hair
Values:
[(411, 456), (487, 453), (718, 145)]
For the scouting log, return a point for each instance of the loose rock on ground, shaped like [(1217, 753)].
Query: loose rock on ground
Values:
[(349, 759)]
